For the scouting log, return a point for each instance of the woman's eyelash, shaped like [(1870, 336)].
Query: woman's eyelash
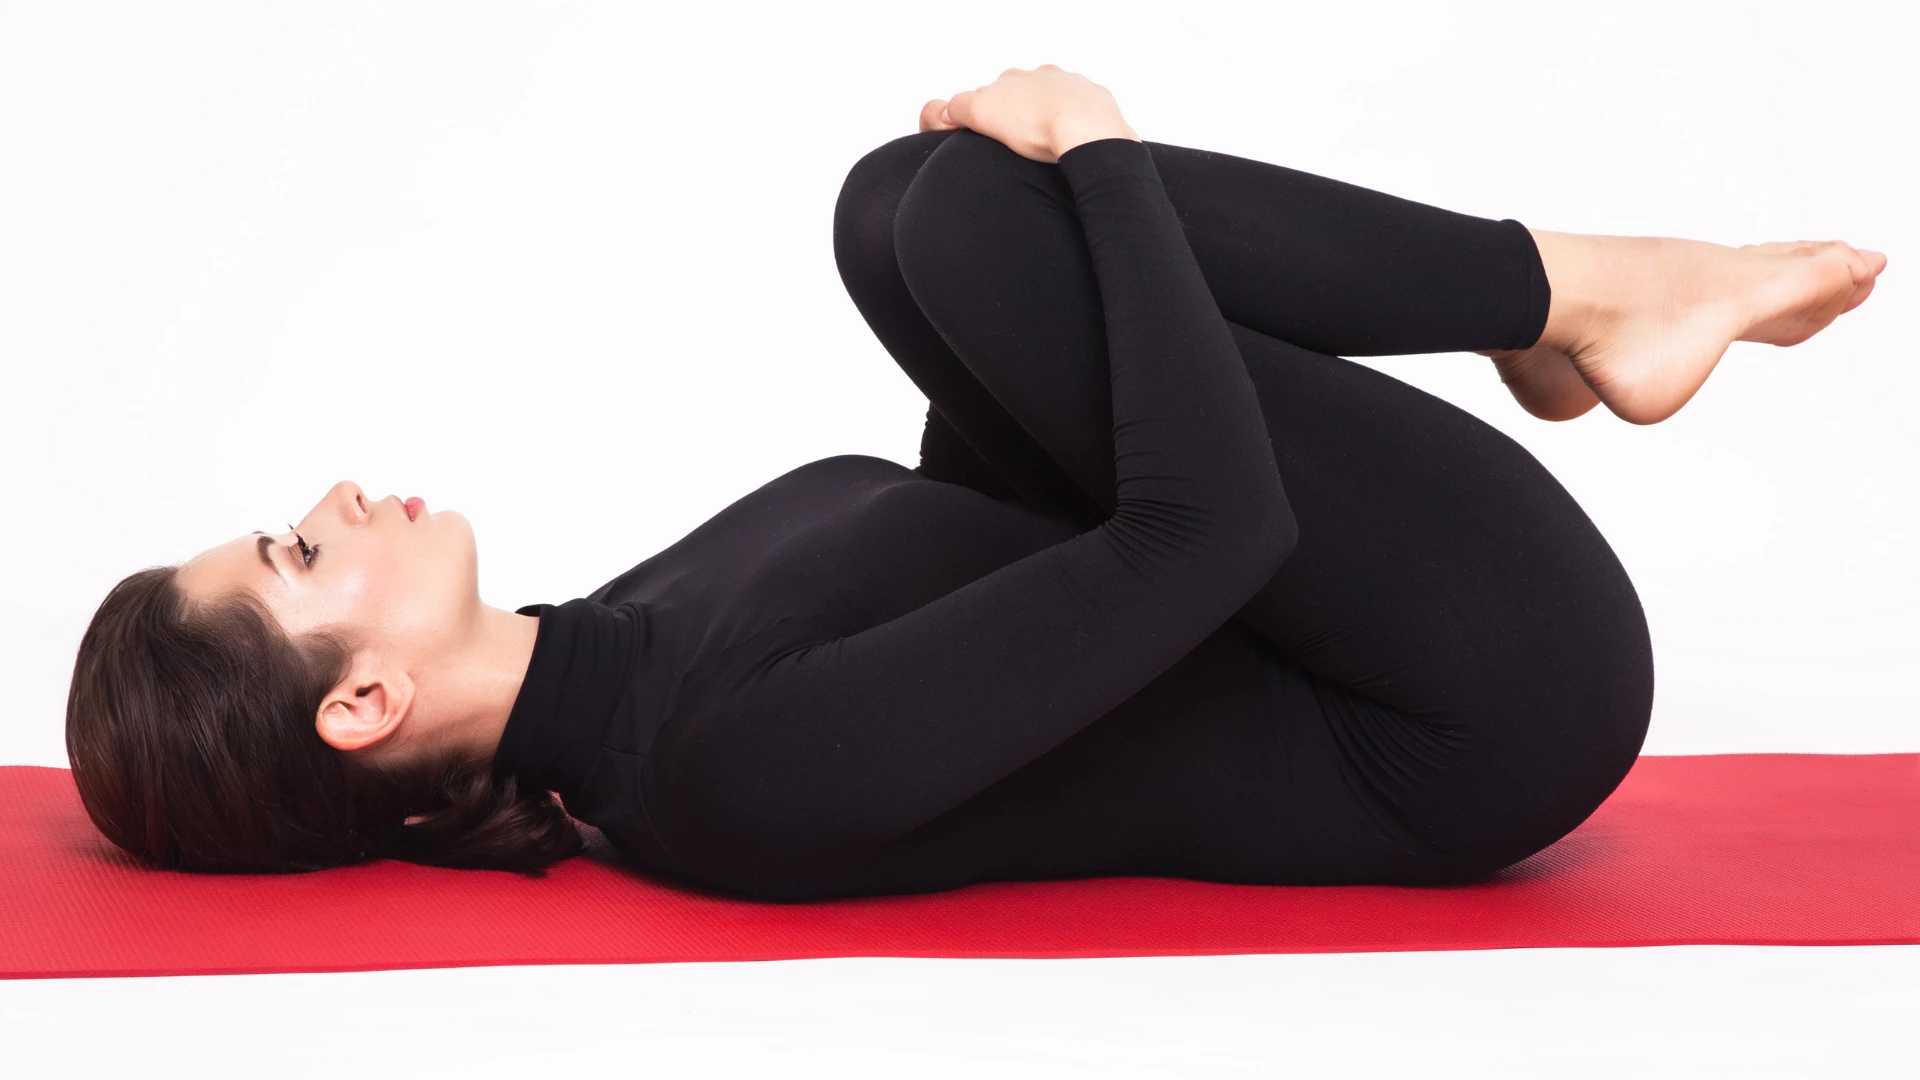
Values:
[(306, 553)]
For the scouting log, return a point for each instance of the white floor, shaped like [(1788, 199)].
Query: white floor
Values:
[(1689, 1011)]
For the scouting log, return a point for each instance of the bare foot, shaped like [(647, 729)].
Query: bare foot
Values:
[(1644, 320), (1545, 382)]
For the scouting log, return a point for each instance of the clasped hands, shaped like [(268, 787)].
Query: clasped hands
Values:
[(1039, 114)]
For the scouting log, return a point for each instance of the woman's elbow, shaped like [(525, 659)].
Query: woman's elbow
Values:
[(1269, 527), (1257, 541), (1277, 535)]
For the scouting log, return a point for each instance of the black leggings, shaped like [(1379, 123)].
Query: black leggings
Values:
[(1476, 648)]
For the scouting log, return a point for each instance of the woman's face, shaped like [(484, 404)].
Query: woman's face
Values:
[(386, 572)]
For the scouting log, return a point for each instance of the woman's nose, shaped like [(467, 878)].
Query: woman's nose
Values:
[(351, 502)]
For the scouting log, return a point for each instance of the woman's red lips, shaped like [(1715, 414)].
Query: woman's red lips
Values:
[(415, 507)]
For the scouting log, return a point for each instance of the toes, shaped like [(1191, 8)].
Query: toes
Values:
[(1866, 265), (1838, 252), (1864, 262), (1856, 262), (1860, 294)]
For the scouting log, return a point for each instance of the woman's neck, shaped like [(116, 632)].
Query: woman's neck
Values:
[(473, 691)]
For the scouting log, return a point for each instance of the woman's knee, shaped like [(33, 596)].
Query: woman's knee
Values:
[(870, 197), (975, 209)]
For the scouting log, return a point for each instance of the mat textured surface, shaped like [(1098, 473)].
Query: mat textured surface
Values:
[(1763, 849)]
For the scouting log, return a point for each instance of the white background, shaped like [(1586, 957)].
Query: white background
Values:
[(568, 268), (460, 249)]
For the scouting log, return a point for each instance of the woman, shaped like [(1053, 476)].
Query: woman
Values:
[(1173, 591)]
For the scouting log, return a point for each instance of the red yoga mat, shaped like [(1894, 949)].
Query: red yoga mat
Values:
[(1761, 849)]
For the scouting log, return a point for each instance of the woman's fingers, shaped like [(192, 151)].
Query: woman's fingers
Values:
[(1011, 110), (960, 108), (933, 116), (1038, 114)]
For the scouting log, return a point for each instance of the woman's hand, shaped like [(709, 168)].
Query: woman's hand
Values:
[(1039, 114)]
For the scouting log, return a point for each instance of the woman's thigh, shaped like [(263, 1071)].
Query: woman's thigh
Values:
[(970, 436), (1323, 265), (1478, 650)]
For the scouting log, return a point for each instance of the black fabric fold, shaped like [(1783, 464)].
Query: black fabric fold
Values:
[(582, 664)]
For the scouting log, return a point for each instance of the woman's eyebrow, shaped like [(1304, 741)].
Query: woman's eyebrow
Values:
[(266, 542)]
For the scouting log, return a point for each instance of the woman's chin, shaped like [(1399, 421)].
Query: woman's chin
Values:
[(449, 521)]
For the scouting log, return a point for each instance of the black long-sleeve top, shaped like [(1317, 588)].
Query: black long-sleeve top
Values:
[(788, 702)]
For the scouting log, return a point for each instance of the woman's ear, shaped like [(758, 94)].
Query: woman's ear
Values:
[(365, 707)]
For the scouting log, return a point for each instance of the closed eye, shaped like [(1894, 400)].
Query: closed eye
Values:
[(307, 553)]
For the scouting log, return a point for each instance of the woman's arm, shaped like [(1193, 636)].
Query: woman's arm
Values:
[(852, 741)]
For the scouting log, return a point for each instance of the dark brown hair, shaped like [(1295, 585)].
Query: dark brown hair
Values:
[(190, 730)]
